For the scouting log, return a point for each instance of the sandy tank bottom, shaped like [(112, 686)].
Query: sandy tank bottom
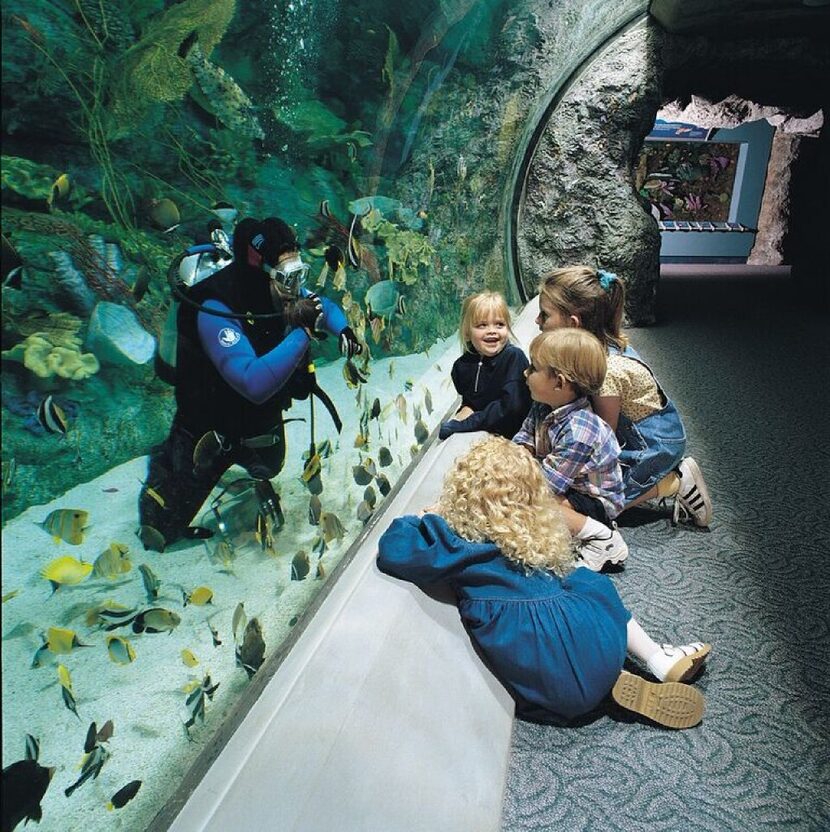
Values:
[(145, 699)]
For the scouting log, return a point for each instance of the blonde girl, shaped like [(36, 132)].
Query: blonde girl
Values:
[(489, 375), (555, 636), (646, 422)]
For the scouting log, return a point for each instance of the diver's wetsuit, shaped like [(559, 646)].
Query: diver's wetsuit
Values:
[(235, 377)]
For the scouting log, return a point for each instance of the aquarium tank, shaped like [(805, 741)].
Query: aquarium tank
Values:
[(132, 131)]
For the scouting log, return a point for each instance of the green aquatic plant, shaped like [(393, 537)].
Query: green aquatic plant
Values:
[(406, 250), (26, 181), (153, 71), (107, 23)]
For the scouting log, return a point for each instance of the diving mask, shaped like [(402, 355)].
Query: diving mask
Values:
[(289, 275)]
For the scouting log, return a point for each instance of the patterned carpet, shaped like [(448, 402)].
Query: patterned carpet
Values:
[(748, 370)]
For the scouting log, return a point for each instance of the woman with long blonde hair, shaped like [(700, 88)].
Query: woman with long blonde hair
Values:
[(556, 636)]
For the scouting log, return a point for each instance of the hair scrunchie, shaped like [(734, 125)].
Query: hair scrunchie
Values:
[(606, 279)]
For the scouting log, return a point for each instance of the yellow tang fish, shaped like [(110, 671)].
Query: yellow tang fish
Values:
[(312, 468), (120, 650), (113, 561), (400, 404), (200, 596), (188, 658), (66, 524), (66, 571), (64, 678), (61, 641)]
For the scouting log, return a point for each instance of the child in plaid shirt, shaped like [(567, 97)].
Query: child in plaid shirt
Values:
[(577, 450)]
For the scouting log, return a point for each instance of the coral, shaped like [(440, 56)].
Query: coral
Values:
[(45, 359), (153, 71), (405, 250), (107, 23)]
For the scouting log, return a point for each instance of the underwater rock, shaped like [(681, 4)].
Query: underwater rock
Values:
[(117, 337), (72, 286)]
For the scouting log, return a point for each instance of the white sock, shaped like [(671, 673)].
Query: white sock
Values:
[(639, 642), (593, 528)]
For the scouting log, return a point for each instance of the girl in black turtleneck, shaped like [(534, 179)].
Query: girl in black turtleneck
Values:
[(489, 376)]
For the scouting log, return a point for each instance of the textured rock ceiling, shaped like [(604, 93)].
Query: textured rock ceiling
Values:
[(734, 18)]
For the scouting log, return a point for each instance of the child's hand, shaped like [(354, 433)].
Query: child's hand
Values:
[(428, 510), (463, 413)]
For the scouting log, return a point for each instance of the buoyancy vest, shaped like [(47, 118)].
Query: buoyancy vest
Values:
[(205, 400)]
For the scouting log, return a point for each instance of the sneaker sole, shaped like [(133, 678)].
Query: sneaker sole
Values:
[(703, 491), (669, 704), (689, 666)]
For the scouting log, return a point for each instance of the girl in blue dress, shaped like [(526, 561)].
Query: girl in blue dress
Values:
[(555, 636)]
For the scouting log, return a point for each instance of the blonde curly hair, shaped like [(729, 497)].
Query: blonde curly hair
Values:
[(497, 492)]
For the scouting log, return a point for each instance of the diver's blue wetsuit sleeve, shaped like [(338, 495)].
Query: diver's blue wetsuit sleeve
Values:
[(334, 321), (255, 377)]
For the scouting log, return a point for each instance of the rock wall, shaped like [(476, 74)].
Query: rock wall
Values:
[(579, 203)]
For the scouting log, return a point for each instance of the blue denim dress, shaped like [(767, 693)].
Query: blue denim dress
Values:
[(652, 447)]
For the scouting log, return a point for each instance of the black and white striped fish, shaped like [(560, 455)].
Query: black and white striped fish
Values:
[(51, 417)]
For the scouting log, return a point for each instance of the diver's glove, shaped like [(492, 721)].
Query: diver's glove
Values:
[(349, 345), (306, 313)]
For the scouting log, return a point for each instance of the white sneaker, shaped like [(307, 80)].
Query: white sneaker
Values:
[(692, 500), (678, 664), (595, 551)]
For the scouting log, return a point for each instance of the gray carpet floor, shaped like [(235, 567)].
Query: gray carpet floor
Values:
[(747, 366)]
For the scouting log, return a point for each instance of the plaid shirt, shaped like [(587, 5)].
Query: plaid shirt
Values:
[(577, 450)]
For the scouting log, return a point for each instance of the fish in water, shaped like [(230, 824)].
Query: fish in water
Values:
[(66, 571), (311, 468), (364, 511), (325, 449), (164, 214), (106, 732), (421, 432), (300, 566), (384, 457), (370, 496), (400, 404), (156, 620), (120, 650), (375, 411), (66, 524), (51, 417), (60, 187), (383, 484), (113, 561), (61, 641), (335, 257), (124, 795), (200, 596), (91, 765), (320, 572), (151, 583), (32, 747), (12, 265), (107, 612), (9, 595), (251, 653), (239, 620), (189, 658), (24, 785), (428, 401), (263, 532), (315, 509), (364, 472), (331, 527), (66, 689), (408, 385), (141, 283), (151, 538), (214, 634), (352, 375), (219, 94), (195, 702)]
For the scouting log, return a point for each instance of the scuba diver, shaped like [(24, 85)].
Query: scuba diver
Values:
[(242, 355)]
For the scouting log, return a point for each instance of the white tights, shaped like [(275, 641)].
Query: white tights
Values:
[(639, 643)]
